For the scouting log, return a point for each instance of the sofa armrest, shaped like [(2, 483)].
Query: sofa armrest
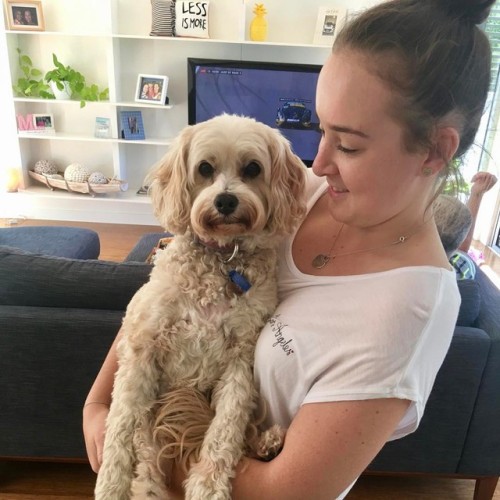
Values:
[(45, 281), (481, 454), (489, 311), (437, 445), (50, 358)]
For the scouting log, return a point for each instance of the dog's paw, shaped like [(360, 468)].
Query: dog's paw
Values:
[(270, 443), (200, 487), (106, 493)]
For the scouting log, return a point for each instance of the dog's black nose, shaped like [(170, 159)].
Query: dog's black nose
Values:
[(226, 203)]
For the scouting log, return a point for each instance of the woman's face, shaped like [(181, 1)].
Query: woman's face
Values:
[(372, 177)]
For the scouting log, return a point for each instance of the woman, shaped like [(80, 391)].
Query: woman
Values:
[(368, 299)]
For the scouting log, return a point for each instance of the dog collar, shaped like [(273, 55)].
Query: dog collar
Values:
[(238, 281), (213, 245)]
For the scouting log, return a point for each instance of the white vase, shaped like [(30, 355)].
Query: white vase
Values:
[(63, 94)]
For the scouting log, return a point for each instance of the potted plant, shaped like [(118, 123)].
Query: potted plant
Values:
[(30, 84), (68, 83)]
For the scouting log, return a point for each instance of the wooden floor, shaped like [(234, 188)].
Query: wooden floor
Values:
[(49, 481)]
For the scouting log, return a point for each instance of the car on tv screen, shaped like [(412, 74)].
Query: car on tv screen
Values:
[(293, 115)]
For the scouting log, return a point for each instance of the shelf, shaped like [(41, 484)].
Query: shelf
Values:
[(71, 102), (134, 104), (164, 38), (130, 195), (90, 138), (58, 34), (41, 203)]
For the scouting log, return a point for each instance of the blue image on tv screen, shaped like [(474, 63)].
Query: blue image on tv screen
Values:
[(278, 94)]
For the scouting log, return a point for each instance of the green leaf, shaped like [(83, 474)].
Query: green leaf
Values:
[(24, 59)]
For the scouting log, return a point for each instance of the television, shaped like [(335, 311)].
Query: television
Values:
[(281, 95)]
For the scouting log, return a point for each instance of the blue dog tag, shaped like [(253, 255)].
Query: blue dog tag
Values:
[(239, 280)]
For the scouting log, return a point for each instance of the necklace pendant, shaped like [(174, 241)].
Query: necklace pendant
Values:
[(320, 261)]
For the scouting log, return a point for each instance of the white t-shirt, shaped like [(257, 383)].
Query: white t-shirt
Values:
[(379, 335)]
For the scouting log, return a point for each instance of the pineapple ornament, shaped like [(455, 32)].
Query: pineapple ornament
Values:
[(258, 25)]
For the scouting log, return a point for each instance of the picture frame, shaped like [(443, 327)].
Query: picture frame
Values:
[(44, 123), (152, 89), (25, 16), (328, 24), (132, 127)]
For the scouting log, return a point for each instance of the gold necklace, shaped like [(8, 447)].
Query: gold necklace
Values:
[(321, 260)]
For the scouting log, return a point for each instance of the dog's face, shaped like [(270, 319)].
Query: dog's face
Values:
[(229, 177)]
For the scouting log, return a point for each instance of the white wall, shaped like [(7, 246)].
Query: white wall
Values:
[(10, 157)]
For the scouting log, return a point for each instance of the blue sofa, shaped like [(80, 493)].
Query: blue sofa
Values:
[(53, 340)]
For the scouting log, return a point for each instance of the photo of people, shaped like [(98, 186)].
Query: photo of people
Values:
[(25, 15), (43, 121), (30, 17), (152, 88), (17, 15)]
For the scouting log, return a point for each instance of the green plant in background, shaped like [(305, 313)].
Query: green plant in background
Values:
[(34, 84), (30, 84), (455, 184), (78, 87)]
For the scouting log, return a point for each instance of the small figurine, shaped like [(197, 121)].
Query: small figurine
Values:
[(258, 25)]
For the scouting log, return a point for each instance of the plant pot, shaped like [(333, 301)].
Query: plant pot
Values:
[(64, 94)]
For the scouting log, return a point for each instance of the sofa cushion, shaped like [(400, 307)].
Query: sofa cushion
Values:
[(471, 302), (60, 241), (145, 246), (163, 18), (39, 280)]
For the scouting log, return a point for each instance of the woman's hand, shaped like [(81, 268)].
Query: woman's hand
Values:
[(482, 182), (94, 428)]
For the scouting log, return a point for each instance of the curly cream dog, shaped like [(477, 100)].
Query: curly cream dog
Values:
[(229, 189)]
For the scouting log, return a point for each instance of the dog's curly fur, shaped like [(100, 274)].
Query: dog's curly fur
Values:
[(188, 336)]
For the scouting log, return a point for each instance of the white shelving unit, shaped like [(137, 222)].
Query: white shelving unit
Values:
[(109, 42)]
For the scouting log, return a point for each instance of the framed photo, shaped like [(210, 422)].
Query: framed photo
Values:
[(329, 23), (25, 16), (44, 123), (132, 128), (152, 89)]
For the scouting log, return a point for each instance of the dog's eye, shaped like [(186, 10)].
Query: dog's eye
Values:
[(252, 170), (206, 170)]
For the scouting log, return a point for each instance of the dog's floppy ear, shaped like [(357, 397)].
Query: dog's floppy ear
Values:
[(169, 186), (287, 186)]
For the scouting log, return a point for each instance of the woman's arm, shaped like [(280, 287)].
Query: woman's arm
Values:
[(326, 448), (96, 407), (481, 183)]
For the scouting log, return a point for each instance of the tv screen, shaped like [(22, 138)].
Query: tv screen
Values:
[(280, 95)]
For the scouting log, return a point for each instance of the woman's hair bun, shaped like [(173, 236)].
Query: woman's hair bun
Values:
[(475, 11)]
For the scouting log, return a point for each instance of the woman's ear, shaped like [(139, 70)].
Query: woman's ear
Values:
[(444, 146)]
